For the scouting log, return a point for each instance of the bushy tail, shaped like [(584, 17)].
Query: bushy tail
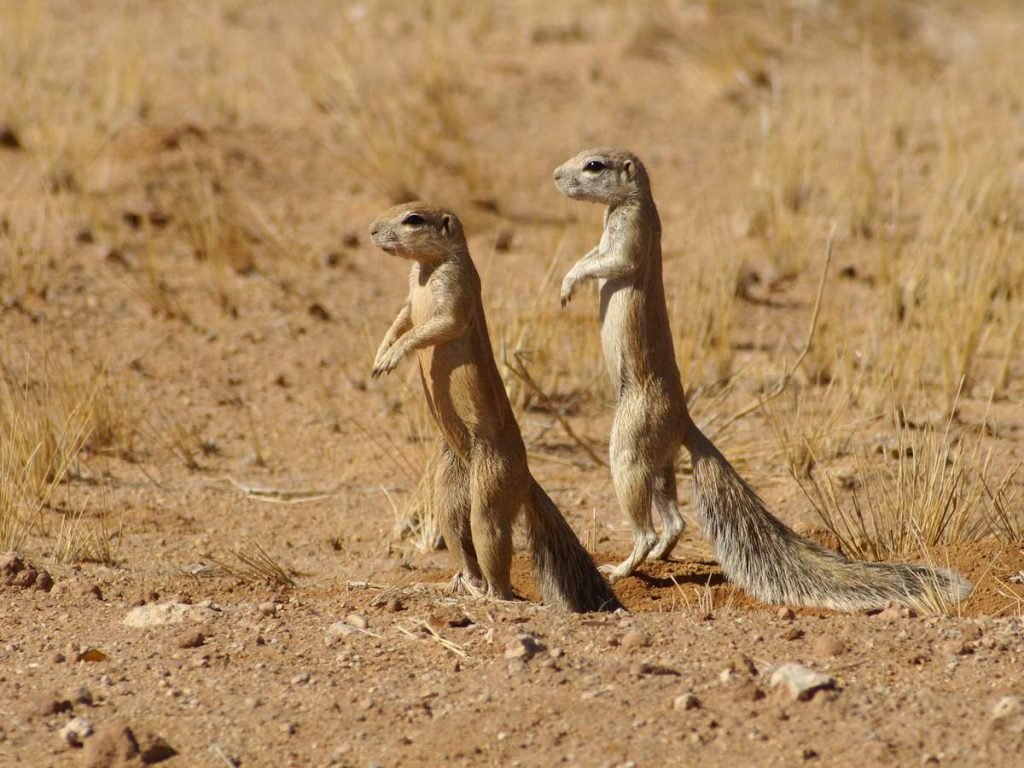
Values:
[(776, 565), (566, 575)]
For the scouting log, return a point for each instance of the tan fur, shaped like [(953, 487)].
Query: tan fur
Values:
[(482, 477), (756, 550)]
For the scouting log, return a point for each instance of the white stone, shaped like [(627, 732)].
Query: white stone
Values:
[(523, 647), (799, 681), (1008, 714), (685, 702), (158, 614)]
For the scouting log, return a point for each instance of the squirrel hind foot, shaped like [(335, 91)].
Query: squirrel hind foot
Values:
[(644, 542), (666, 543), (613, 572), (464, 584)]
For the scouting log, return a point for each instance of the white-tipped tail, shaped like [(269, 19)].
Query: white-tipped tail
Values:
[(774, 564)]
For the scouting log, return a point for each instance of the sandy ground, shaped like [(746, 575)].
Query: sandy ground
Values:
[(234, 359)]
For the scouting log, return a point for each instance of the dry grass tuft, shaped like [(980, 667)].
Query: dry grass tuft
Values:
[(89, 538), (254, 565), (1005, 513), (182, 441), (50, 412), (25, 269), (923, 490), (39, 445), (214, 226), (150, 282), (934, 599)]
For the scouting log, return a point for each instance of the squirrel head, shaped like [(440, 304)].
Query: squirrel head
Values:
[(603, 175), (418, 231)]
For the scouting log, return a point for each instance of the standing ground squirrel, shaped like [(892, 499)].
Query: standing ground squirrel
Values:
[(482, 477), (756, 551)]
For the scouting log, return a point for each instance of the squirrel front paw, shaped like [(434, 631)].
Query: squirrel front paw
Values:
[(384, 347), (568, 287), (387, 361)]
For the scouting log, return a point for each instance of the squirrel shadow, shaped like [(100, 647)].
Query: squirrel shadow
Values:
[(697, 579)]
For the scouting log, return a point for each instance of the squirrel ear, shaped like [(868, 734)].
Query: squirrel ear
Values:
[(630, 168), (446, 225)]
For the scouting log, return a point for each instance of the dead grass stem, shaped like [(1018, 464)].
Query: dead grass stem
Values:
[(253, 564), (50, 411), (926, 490)]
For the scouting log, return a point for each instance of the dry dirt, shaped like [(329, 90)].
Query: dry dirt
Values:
[(249, 422)]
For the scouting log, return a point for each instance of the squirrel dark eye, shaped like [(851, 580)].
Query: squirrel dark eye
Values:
[(594, 166), (413, 220)]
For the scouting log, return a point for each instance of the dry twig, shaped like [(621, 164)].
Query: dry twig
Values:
[(783, 382), (520, 371)]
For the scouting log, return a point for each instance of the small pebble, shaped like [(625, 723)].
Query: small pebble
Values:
[(685, 702), (635, 639), (51, 704), (828, 647), (191, 639), (640, 668), (956, 648), (336, 630), (113, 745), (81, 695), (894, 611), (76, 731), (523, 647), (746, 691), (799, 681), (1008, 714)]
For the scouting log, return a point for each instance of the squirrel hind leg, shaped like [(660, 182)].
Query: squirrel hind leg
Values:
[(634, 481), (644, 541), (492, 515), (672, 522), (452, 507)]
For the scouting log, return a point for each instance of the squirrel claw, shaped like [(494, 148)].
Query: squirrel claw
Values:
[(387, 363), (568, 288)]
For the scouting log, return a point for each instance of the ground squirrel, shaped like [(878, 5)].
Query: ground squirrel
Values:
[(482, 477), (756, 551)]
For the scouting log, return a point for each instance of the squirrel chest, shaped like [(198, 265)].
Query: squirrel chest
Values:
[(457, 372)]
